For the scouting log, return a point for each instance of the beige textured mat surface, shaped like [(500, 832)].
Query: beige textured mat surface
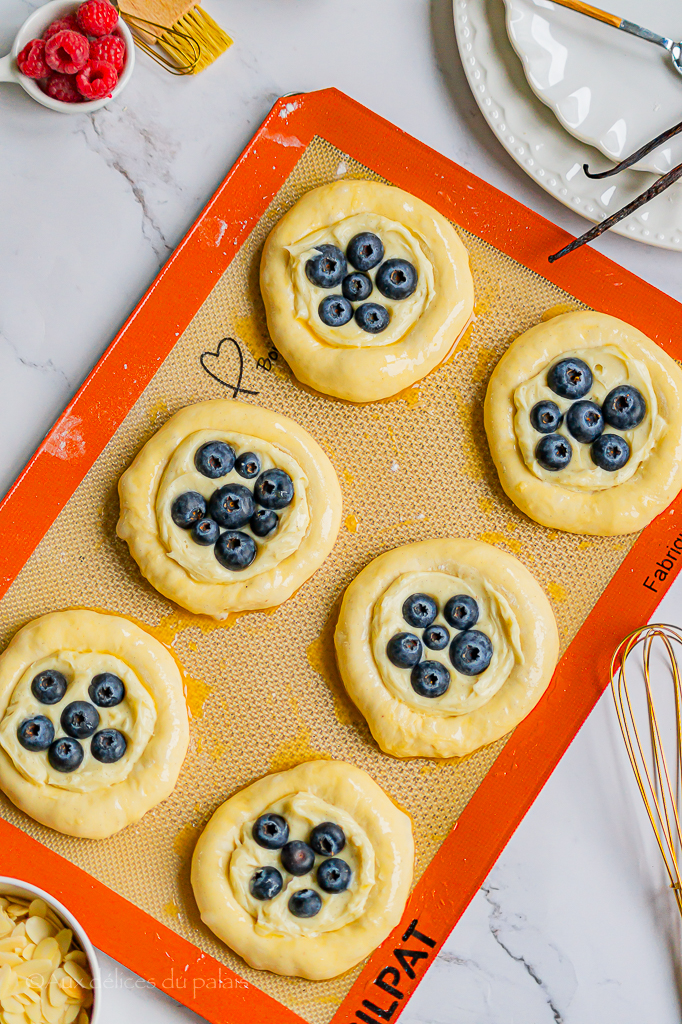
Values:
[(264, 693)]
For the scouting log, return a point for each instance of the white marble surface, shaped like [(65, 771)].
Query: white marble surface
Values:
[(572, 924)]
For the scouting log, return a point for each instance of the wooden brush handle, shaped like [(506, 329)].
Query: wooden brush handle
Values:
[(591, 12)]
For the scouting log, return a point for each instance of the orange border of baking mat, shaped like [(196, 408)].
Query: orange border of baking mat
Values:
[(525, 763)]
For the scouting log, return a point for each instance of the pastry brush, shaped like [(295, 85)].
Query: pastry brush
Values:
[(190, 36)]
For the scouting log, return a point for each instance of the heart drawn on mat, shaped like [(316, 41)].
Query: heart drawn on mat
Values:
[(222, 366)]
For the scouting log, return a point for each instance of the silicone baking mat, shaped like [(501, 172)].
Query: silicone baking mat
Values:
[(263, 690)]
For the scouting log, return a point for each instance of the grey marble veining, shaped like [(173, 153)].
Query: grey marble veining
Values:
[(574, 924)]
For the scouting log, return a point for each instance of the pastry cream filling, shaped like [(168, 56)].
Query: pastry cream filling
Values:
[(610, 368), (496, 620), (399, 242), (135, 717), (182, 475), (302, 811)]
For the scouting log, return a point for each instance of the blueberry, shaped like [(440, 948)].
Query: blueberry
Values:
[(80, 719), (214, 459), (461, 611), (49, 686), (570, 378), (327, 839), (584, 421), (231, 506), (36, 733), (334, 875), (297, 857), (248, 465), (396, 279), (108, 746), (205, 532), (471, 652), (546, 417), (624, 408), (372, 318), (436, 638), (305, 903), (610, 452), (430, 679), (327, 268), (404, 650), (106, 690), (274, 489), (356, 287), (235, 550), (365, 250), (335, 311), (270, 831), (265, 883), (263, 522), (553, 452), (65, 754), (188, 509), (419, 610)]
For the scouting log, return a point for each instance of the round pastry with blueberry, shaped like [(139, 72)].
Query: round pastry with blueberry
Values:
[(93, 722), (584, 423), (305, 872), (229, 507), (366, 289), (445, 646)]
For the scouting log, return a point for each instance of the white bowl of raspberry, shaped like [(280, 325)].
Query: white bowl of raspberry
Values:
[(71, 57)]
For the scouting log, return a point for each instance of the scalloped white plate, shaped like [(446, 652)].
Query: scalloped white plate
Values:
[(531, 134), (606, 87)]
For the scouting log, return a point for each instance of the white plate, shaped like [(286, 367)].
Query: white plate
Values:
[(531, 134), (607, 88)]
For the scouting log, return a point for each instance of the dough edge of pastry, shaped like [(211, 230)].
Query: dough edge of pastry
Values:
[(137, 524), (324, 956), (399, 729), (620, 510), (367, 374), (101, 813)]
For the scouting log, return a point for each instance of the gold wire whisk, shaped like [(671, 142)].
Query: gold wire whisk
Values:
[(659, 784), (184, 50)]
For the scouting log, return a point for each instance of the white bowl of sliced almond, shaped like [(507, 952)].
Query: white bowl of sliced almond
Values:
[(48, 967)]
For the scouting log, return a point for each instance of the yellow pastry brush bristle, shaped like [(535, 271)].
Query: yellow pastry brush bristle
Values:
[(187, 33)]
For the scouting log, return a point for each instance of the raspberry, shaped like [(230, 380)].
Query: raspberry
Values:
[(97, 79), (31, 60), (111, 49), (69, 22), (97, 17), (63, 87), (67, 51)]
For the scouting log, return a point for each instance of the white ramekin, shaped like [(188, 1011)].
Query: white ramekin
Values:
[(33, 28)]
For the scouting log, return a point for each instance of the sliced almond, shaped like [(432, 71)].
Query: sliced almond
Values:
[(19, 929), (79, 956), (7, 981), (34, 968), (64, 938), (11, 1004), (71, 987), (78, 973), (38, 908), (56, 996), (14, 1018), (71, 1013), (6, 924), (27, 951), (13, 959), (83, 1018), (37, 928), (48, 949), (88, 998), (51, 1013), (16, 910)]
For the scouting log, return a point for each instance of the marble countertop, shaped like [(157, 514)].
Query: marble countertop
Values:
[(574, 924)]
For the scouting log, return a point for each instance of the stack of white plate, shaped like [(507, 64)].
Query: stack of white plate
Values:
[(577, 91)]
